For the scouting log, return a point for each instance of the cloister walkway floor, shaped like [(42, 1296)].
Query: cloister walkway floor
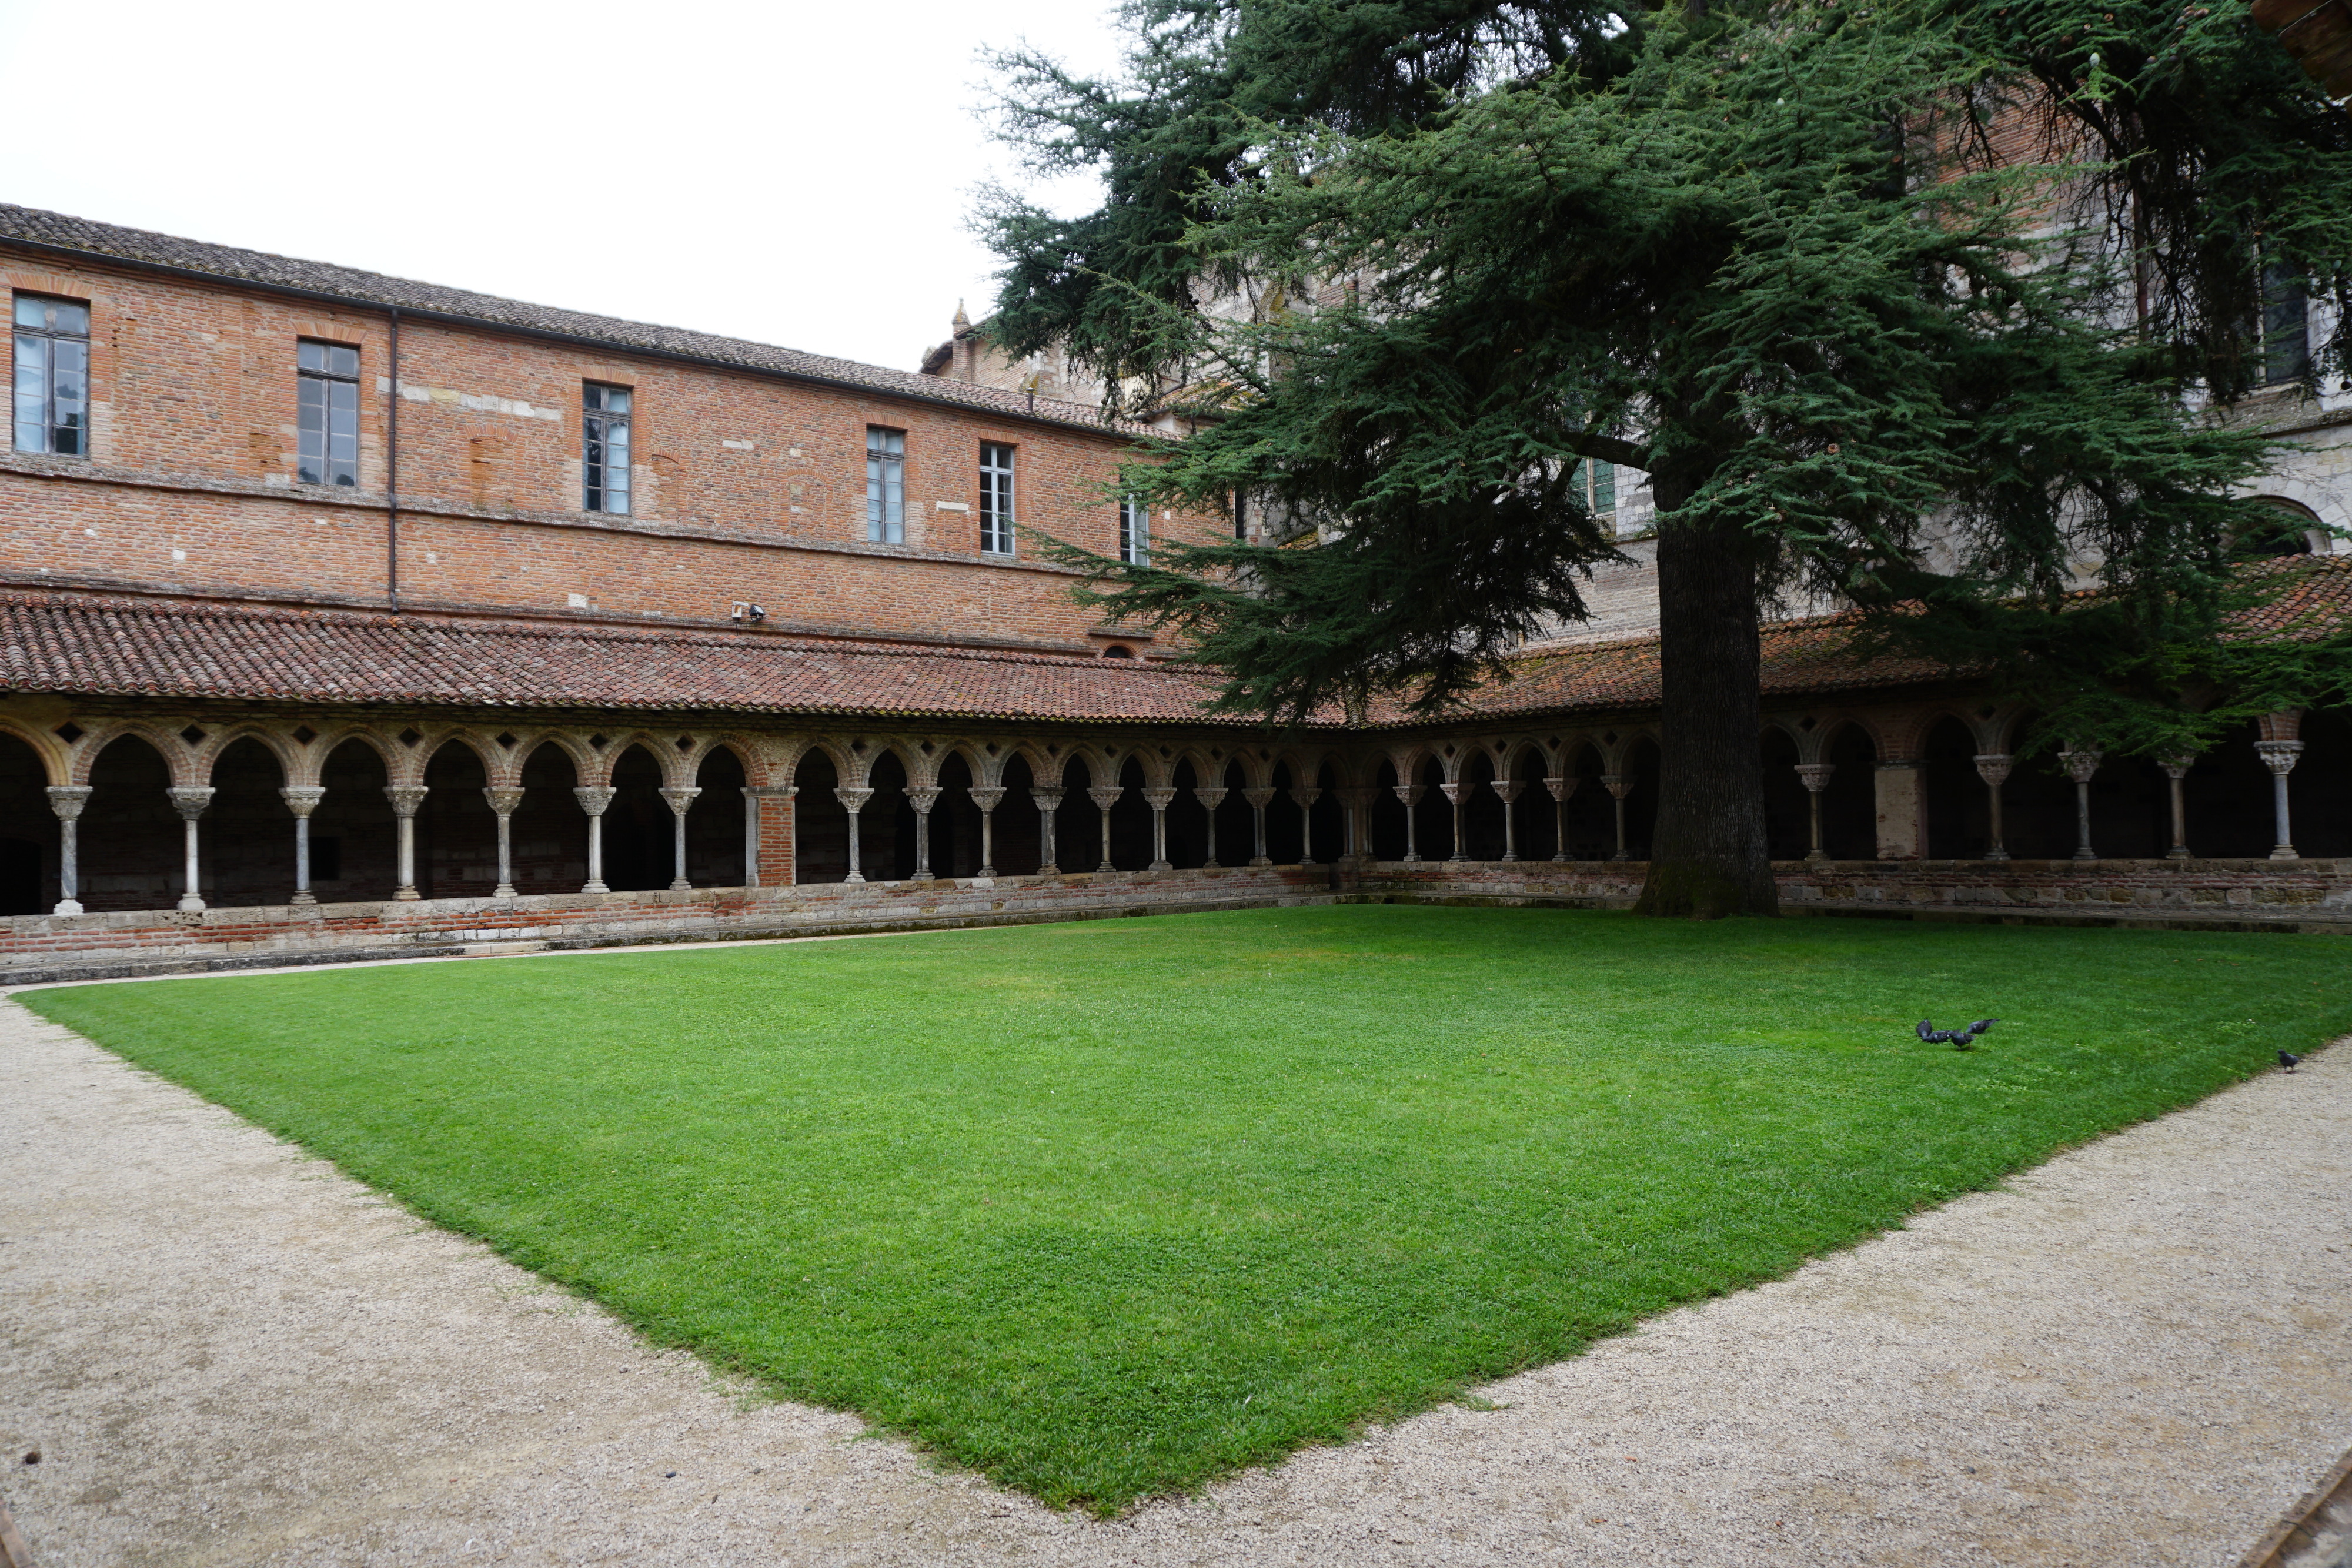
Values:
[(226, 1352)]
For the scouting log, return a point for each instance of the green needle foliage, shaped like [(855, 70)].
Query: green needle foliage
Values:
[(1915, 306), (1108, 1211)]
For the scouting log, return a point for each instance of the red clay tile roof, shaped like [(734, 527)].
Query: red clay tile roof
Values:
[(63, 231), (99, 646)]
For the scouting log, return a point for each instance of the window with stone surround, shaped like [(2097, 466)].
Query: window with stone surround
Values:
[(52, 376), (886, 486), (995, 498), (326, 441), (605, 447)]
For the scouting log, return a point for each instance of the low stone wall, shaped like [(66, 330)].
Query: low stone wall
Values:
[(2296, 895)]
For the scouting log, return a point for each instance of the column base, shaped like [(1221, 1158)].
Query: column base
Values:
[(1412, 859), (1458, 860), (405, 895), (303, 895), (1260, 859), (987, 877), (190, 904), (504, 890), (1211, 865), (1161, 865), (2086, 854), (594, 887), (1996, 855), (68, 907), (2178, 855), (2284, 852), (854, 877), (1816, 857), (1507, 856), (1561, 857), (679, 885), (924, 876), (1105, 867)]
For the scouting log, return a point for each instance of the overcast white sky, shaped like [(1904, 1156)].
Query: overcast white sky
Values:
[(792, 172)]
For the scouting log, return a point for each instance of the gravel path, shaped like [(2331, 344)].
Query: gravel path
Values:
[(228, 1353)]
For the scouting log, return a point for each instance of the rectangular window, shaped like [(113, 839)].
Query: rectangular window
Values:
[(886, 486), (604, 448), (327, 381), (1596, 484), (1241, 517), (995, 498), (52, 376), (1135, 533), (2286, 327)]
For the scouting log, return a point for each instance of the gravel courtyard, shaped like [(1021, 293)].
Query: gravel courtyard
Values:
[(224, 1352)]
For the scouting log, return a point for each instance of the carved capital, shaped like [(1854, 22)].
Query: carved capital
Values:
[(67, 800), (1410, 794), (851, 800), (1305, 795), (593, 798), (1106, 796), (2081, 765), (2177, 767), (1993, 767), (987, 799), (1211, 796), (405, 798), (1815, 776), (1047, 800), (1618, 784), (2279, 755), (1259, 799), (1508, 788), (503, 798), (1452, 792), (1563, 786), (922, 797), (1158, 800), (302, 799), (190, 800), (681, 801)]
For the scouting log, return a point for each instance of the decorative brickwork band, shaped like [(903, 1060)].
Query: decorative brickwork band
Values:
[(503, 802), (1259, 799), (1210, 797), (302, 799), (853, 802), (66, 802), (2279, 757), (190, 801), (594, 798), (1993, 767)]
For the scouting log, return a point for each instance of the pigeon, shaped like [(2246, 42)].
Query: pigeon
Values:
[(1957, 1038), (2288, 1058)]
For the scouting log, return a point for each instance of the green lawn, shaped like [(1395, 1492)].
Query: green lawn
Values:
[(1107, 1210)]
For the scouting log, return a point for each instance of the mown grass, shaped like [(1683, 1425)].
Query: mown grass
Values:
[(1107, 1210)]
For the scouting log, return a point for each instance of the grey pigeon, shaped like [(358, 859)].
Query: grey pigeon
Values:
[(2288, 1058)]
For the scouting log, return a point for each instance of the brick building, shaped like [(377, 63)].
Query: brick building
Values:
[(348, 615)]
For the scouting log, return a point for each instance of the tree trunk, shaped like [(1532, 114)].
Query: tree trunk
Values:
[(1709, 856)]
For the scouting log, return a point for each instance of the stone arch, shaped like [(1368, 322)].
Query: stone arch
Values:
[(640, 839), (820, 821), (720, 821), (282, 747), (30, 836), (130, 839), (456, 833), (54, 754), (169, 748), (247, 832), (332, 737), (2329, 518), (1788, 804), (1850, 799)]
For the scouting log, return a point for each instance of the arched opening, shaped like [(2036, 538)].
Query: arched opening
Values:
[(247, 834), (550, 832), (457, 831), (1077, 826), (1788, 804), (2320, 788), (1388, 814), (29, 835), (1328, 817), (1958, 806), (1433, 814), (1236, 827), (1285, 825), (885, 843), (354, 850), (955, 821), (820, 821), (1533, 819), (2037, 803), (2229, 798), (640, 837), (1017, 824), (715, 822), (1130, 821), (1642, 799), (131, 837), (1850, 803), (2283, 527), (1482, 809), (1591, 811), (1188, 821)]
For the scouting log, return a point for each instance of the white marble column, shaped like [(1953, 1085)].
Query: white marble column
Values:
[(593, 799), (1453, 793), (987, 800), (1305, 795), (680, 802), (1048, 801), (1259, 799), (1815, 777), (1411, 795), (2280, 757), (190, 801), (66, 802), (405, 799), (922, 798), (853, 802), (1619, 786), (504, 799), (1508, 788), (1355, 802), (2079, 766), (1993, 767), (1158, 800), (1562, 787), (2175, 770), (1106, 796), (1210, 797), (302, 799)]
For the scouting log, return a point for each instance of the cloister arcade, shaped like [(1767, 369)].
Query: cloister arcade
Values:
[(112, 811)]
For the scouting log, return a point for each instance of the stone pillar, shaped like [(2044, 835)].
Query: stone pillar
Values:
[(987, 800), (1305, 795), (503, 800), (1411, 795), (1259, 799), (1993, 767), (1508, 788), (1561, 788), (1106, 796), (1158, 800), (681, 802), (2079, 766), (2279, 757), (922, 798), (302, 799), (1815, 777), (1354, 802), (1210, 797), (853, 802), (768, 857), (1453, 792), (1902, 809), (190, 802), (1048, 802), (405, 799), (1619, 786), (594, 798), (2175, 770), (66, 800)]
